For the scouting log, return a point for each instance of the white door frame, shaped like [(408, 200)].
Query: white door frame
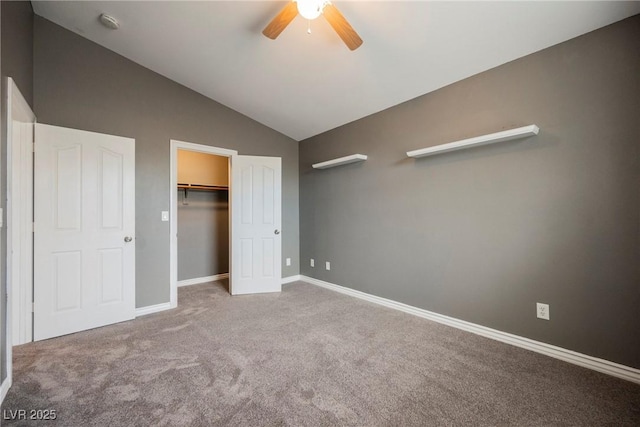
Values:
[(19, 219), (17, 108), (173, 226)]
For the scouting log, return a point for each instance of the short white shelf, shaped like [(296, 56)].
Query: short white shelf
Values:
[(506, 135), (341, 161)]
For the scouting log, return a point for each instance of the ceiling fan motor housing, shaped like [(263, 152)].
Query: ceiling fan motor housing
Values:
[(310, 9)]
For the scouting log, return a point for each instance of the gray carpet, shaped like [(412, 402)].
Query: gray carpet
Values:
[(305, 357)]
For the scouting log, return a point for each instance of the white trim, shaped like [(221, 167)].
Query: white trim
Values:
[(614, 369), (150, 309), (173, 202), (16, 106), (199, 280), (19, 217), (291, 279), (207, 149), (4, 389)]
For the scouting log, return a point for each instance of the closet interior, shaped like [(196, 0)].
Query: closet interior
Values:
[(203, 217)]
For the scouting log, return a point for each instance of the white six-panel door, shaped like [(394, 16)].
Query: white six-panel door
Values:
[(84, 215), (256, 213)]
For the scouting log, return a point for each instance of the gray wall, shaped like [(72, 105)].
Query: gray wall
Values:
[(484, 234), (203, 234), (80, 84), (17, 45), (16, 52)]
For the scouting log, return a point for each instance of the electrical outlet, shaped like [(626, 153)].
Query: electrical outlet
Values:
[(165, 215), (288, 262), (313, 263), (328, 265), (542, 311)]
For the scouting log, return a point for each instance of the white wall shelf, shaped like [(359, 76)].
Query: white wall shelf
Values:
[(506, 135), (341, 161)]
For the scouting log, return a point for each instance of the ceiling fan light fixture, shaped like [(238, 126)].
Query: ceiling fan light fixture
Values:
[(310, 9)]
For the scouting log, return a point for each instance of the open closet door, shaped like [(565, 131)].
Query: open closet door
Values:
[(84, 247), (256, 216)]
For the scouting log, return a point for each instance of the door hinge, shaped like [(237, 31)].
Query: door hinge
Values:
[(33, 307), (33, 147), (33, 227)]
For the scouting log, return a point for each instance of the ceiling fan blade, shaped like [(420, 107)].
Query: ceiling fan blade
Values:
[(280, 22), (342, 27)]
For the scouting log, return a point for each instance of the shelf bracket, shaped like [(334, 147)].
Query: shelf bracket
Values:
[(186, 195)]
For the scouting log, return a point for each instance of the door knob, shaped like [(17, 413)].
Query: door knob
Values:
[(128, 239), (276, 232)]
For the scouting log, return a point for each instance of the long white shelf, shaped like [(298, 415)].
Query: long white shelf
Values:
[(341, 161), (505, 135)]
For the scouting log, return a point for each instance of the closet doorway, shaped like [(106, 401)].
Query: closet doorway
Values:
[(203, 217), (254, 215), (200, 214)]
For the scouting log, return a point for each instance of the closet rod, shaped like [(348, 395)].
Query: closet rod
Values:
[(202, 187), (199, 187)]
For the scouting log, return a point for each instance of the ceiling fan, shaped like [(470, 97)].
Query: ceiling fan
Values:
[(311, 9)]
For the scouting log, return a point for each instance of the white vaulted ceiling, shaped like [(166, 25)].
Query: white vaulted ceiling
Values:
[(301, 84)]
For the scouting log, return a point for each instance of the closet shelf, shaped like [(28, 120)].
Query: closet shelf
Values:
[(340, 161), (506, 135), (202, 187)]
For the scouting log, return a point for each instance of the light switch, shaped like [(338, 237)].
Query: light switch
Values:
[(165, 215)]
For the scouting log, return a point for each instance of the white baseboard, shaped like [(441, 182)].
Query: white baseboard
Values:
[(143, 311), (615, 369), (4, 389), (291, 279), (199, 280)]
